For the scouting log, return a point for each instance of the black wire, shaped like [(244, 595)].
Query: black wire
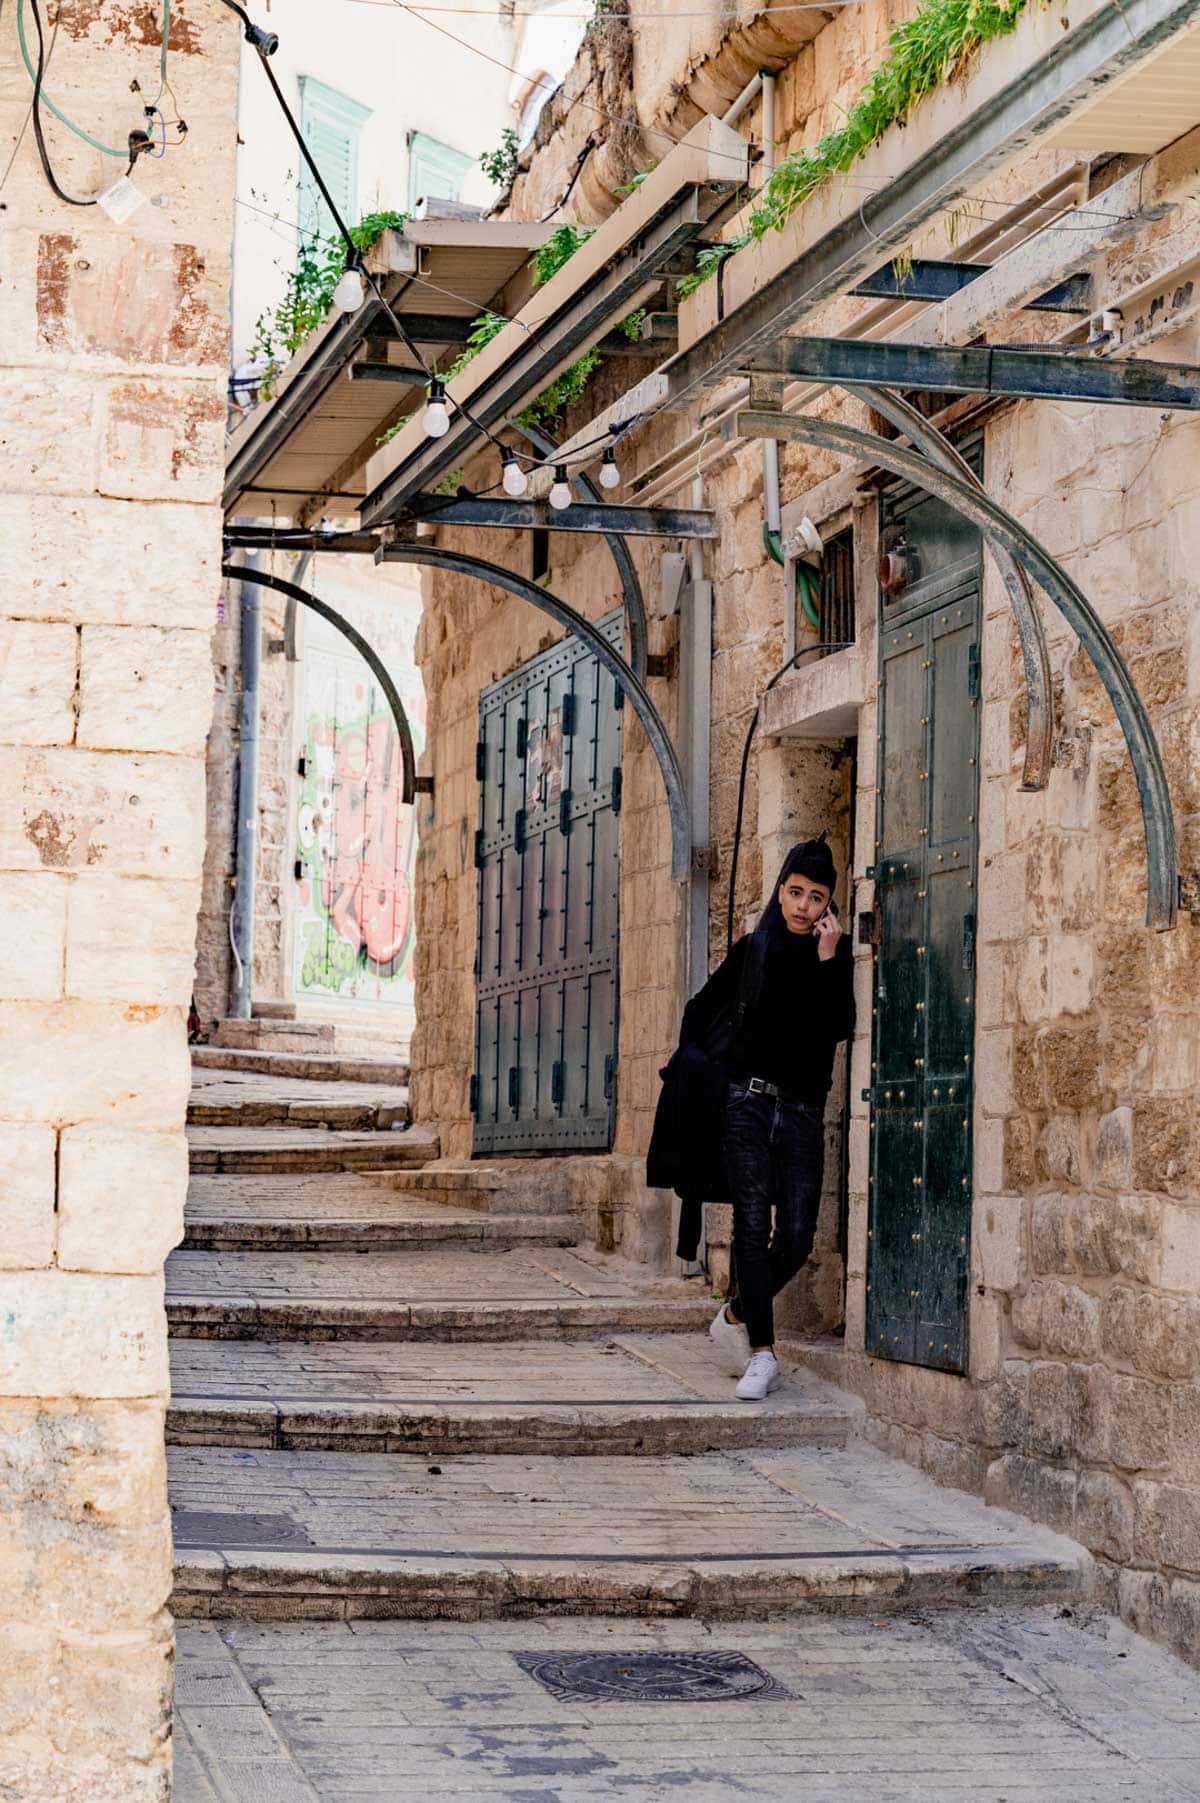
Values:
[(588, 146), (36, 118), (820, 645)]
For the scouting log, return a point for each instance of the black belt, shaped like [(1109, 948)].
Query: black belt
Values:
[(759, 1087)]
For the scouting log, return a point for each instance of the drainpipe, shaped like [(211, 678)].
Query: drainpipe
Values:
[(696, 708), (772, 511), (241, 915)]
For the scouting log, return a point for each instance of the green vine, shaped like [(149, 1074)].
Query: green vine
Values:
[(308, 293), (500, 165), (927, 50)]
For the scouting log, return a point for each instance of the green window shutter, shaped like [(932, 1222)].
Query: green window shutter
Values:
[(435, 172), (331, 123)]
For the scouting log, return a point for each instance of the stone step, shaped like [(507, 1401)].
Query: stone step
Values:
[(333, 1067), (347, 1211), (335, 1535), (634, 1395), (297, 1148), (526, 1186), (424, 1293), (209, 1107), (269, 1034)]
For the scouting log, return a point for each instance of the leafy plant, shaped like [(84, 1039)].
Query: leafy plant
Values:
[(308, 293), (558, 249), (483, 330), (635, 181), (926, 50), (449, 482), (500, 165), (563, 392), (632, 326)]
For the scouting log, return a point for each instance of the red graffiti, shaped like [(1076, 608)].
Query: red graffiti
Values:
[(364, 883)]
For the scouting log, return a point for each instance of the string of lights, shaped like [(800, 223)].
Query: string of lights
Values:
[(350, 290)]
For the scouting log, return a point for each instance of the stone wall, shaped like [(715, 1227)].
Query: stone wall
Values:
[(111, 396), (1080, 1406)]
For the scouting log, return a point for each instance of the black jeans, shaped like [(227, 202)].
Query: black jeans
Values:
[(774, 1154)]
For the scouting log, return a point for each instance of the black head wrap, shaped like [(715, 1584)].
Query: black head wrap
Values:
[(811, 858)]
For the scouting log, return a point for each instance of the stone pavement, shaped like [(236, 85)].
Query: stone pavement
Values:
[(1037, 1705), (417, 1428)]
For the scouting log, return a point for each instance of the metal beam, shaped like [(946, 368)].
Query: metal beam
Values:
[(387, 372), (435, 557), (408, 760), (296, 538), (1162, 898), (982, 369), (541, 355), (926, 279), (1116, 36), (1039, 734), (581, 516)]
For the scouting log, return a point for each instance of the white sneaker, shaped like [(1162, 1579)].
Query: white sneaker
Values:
[(731, 1340), (761, 1377)]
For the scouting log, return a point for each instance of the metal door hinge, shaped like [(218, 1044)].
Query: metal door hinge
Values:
[(618, 697), (480, 760), (968, 954), (479, 849), (475, 1097), (568, 715), (610, 1074), (522, 735), (973, 669), (868, 1095), (514, 1086), (564, 811), (558, 1082), (618, 783), (519, 830)]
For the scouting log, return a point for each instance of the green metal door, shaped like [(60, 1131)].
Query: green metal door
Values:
[(921, 1081), (549, 767)]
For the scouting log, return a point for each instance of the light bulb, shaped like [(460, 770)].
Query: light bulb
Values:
[(560, 494), (610, 475), (436, 420), (350, 293), (515, 480)]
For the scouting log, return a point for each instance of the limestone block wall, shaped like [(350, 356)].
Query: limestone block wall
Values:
[(111, 396)]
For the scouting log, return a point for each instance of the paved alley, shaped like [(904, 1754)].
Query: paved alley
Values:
[(425, 1445)]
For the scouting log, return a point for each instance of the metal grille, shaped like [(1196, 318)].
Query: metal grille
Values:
[(549, 764), (837, 590), (705, 1677)]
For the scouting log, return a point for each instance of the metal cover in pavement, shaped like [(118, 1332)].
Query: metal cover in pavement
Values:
[(704, 1677), (220, 1527)]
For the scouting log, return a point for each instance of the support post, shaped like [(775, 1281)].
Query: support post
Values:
[(241, 919)]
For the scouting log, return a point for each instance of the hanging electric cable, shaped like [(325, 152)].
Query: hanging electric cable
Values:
[(805, 651), (139, 141)]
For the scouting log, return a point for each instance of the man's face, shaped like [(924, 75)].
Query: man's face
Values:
[(803, 903)]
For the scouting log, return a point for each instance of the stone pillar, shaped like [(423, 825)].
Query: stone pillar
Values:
[(111, 443)]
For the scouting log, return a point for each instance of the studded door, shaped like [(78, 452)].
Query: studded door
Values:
[(549, 764), (922, 1086)]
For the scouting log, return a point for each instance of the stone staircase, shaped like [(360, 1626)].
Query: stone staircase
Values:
[(402, 1388)]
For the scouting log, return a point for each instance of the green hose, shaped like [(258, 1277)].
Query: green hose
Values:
[(46, 101), (806, 584)]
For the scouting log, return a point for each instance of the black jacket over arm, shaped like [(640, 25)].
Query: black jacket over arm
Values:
[(686, 1152)]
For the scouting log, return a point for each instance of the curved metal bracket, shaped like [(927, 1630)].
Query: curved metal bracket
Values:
[(365, 651), (1039, 737), (437, 557), (1157, 819), (635, 605)]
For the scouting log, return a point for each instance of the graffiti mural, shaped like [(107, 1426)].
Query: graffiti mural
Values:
[(355, 840)]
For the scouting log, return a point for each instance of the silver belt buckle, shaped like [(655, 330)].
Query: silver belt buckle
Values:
[(756, 1086)]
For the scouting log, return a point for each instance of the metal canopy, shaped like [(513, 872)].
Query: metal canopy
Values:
[(314, 436), (982, 369), (1162, 879), (618, 268)]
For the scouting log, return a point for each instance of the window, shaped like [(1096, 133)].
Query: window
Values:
[(836, 602), (331, 123), (435, 172)]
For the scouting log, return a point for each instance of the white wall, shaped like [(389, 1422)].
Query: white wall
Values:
[(411, 75)]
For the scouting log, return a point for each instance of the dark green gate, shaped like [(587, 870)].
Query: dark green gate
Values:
[(549, 766), (921, 1093)]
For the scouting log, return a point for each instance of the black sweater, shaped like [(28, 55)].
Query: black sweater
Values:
[(795, 1016)]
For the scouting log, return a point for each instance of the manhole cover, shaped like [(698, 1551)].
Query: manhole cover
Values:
[(707, 1677), (217, 1528)]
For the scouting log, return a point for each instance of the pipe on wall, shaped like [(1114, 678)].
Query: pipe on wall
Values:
[(241, 917)]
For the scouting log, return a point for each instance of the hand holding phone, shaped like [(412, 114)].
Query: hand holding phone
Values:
[(827, 930)]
